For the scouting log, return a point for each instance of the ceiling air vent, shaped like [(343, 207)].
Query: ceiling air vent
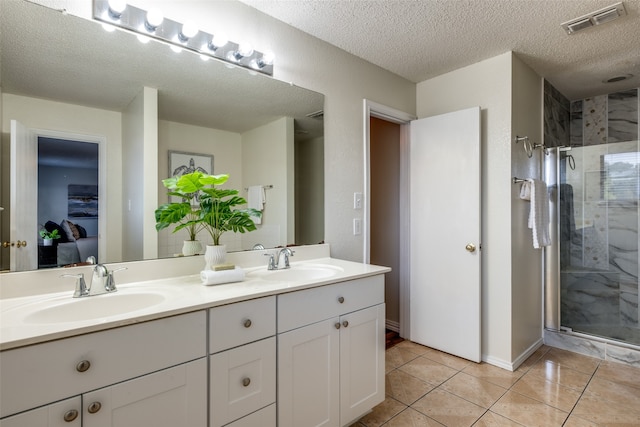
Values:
[(318, 115), (606, 14)]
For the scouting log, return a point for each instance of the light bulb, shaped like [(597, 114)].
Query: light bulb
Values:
[(268, 57), (116, 7), (219, 40), (245, 49), (154, 19), (189, 30)]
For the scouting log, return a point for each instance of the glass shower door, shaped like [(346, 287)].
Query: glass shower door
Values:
[(598, 211)]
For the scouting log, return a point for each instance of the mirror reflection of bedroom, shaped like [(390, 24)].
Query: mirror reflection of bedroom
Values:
[(67, 202)]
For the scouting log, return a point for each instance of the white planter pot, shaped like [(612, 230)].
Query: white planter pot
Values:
[(215, 255), (47, 242), (191, 247)]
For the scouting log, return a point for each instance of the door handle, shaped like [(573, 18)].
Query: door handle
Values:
[(470, 247)]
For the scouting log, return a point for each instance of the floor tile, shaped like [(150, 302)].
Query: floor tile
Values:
[(533, 359), (528, 411), (412, 418), (491, 419), (447, 359), (551, 393), (397, 356), (602, 411), (448, 409), (554, 372), (473, 389), (383, 412), (412, 347), (493, 374), (571, 360), (574, 421), (427, 370), (406, 388), (619, 373), (616, 392)]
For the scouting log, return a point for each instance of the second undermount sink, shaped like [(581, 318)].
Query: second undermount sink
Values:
[(95, 307), (297, 272)]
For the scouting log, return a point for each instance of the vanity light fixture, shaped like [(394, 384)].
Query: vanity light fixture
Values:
[(600, 16), (180, 36)]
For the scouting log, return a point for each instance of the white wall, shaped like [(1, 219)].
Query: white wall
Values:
[(140, 171), (489, 84), (268, 159), (69, 118)]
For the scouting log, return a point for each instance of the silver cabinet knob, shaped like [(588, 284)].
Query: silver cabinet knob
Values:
[(246, 382), (83, 366), (70, 415), (341, 300), (470, 247), (94, 407), (337, 325), (345, 323), (247, 323)]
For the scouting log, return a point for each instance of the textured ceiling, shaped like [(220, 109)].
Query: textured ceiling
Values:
[(420, 39)]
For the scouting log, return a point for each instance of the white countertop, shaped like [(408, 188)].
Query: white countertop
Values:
[(183, 294)]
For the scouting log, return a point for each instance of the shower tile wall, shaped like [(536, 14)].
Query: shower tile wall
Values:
[(556, 117), (604, 249)]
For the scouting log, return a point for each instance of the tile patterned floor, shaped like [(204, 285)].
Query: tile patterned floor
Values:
[(554, 387)]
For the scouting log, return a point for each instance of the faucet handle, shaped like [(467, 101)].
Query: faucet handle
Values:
[(111, 282), (272, 262), (81, 285)]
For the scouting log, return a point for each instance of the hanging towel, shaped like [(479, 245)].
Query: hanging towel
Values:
[(525, 190), (256, 201), (539, 213)]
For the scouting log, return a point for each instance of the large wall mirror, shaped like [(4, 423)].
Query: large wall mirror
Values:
[(87, 97)]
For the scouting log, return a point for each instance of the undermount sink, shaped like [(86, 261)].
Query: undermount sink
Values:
[(67, 309), (300, 272)]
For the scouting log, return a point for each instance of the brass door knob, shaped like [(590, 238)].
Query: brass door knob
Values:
[(470, 247)]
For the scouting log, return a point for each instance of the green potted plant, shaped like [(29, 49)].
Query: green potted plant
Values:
[(219, 214), (49, 236), (185, 213)]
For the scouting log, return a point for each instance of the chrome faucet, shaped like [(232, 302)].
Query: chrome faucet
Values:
[(102, 282), (287, 253)]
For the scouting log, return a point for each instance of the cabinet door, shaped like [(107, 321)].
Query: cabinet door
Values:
[(59, 414), (362, 368), (173, 397), (308, 375)]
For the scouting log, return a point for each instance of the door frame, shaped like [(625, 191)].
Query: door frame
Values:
[(373, 109), (102, 176)]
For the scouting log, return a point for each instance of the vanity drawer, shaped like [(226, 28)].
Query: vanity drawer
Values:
[(51, 371), (300, 308), (242, 381), (240, 323)]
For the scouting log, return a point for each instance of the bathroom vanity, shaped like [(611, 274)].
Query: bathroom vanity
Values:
[(296, 347)]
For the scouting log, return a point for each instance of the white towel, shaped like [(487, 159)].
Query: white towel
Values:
[(256, 199), (525, 190), (539, 213), (210, 277)]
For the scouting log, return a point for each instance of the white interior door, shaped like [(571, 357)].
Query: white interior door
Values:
[(23, 198), (445, 233)]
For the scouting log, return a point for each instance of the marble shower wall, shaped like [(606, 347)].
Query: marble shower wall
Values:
[(604, 247)]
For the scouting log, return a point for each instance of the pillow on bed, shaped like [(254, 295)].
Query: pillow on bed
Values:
[(66, 226), (50, 226), (82, 231)]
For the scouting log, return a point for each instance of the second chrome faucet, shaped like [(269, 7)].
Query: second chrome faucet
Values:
[(274, 258), (102, 282)]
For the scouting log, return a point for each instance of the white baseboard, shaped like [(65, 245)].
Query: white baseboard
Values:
[(512, 366), (392, 325)]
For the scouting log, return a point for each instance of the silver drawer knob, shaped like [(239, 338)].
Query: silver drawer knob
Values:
[(337, 325), (70, 415), (83, 366), (94, 407), (345, 323), (341, 300), (247, 323), (246, 382)]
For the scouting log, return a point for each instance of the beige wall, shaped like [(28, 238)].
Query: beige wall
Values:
[(68, 118)]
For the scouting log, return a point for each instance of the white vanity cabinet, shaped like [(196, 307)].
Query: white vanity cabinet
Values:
[(242, 364), (330, 353), (66, 413), (125, 364)]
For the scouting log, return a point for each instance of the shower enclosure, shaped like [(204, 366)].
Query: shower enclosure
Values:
[(595, 188)]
